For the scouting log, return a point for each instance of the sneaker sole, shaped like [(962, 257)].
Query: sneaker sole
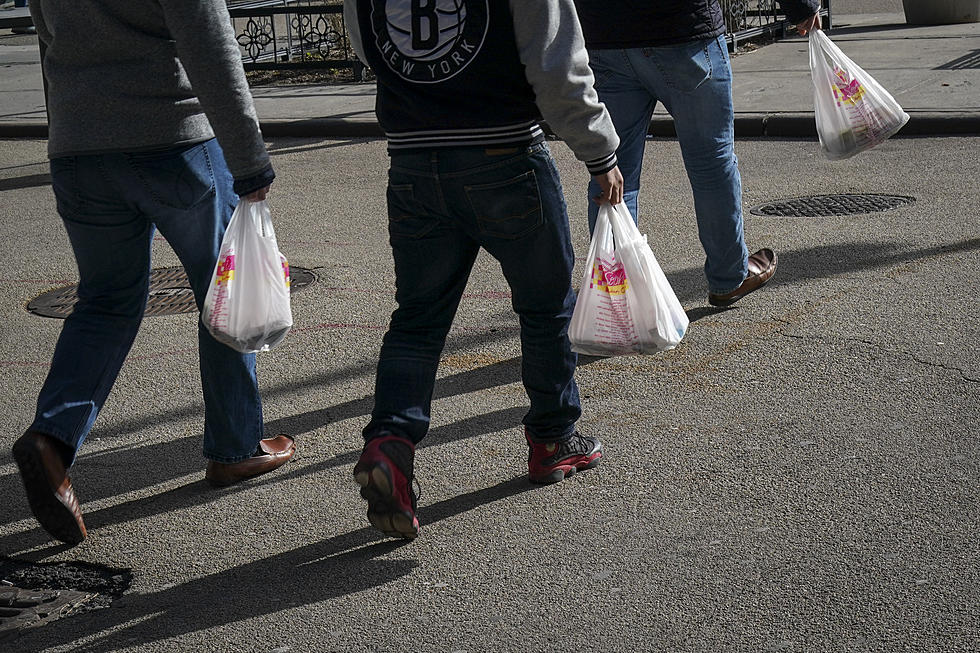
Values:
[(561, 472), (54, 516), (383, 511)]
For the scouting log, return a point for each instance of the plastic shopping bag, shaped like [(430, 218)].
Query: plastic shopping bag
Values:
[(853, 112), (625, 304), (247, 305)]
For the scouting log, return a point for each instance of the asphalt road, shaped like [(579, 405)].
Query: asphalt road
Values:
[(799, 475)]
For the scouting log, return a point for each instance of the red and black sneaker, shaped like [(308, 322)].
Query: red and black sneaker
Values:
[(550, 462), (385, 473)]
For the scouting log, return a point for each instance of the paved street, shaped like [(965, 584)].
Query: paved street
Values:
[(799, 475)]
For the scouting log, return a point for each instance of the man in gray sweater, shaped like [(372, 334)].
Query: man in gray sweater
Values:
[(137, 91)]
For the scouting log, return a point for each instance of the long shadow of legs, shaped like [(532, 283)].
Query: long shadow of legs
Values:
[(198, 492), (826, 261), (796, 266), (338, 566), (26, 181), (489, 376)]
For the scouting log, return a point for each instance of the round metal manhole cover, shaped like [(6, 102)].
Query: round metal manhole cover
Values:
[(818, 206), (170, 294)]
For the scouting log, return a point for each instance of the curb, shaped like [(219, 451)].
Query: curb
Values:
[(747, 125)]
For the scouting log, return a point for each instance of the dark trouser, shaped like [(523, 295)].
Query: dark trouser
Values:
[(111, 204), (443, 205)]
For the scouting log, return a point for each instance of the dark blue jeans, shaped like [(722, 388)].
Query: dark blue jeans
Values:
[(110, 205), (443, 205), (693, 80)]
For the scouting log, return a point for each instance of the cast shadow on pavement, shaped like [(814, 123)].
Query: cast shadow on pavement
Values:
[(282, 146), (161, 462), (337, 566), (25, 181), (178, 458), (819, 262)]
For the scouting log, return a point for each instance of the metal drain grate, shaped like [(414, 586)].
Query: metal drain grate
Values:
[(33, 594), (831, 205), (170, 294), (21, 609)]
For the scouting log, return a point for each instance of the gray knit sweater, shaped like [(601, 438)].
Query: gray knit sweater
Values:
[(129, 75)]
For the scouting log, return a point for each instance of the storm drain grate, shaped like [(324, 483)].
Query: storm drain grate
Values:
[(831, 205), (33, 594), (170, 294)]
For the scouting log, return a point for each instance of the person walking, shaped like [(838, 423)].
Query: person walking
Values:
[(462, 86), (675, 53), (137, 90)]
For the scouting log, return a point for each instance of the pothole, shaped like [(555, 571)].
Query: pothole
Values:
[(34, 594)]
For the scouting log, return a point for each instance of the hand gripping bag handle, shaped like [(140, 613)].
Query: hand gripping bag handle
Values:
[(853, 112)]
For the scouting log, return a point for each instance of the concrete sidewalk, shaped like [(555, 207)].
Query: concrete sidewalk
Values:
[(933, 72)]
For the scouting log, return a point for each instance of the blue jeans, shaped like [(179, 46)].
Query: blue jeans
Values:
[(110, 205), (694, 82), (443, 205)]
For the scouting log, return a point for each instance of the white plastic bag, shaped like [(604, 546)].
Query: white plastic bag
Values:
[(247, 305), (625, 304), (853, 112)]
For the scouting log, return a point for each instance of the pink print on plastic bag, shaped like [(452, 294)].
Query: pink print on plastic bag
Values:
[(847, 90), (609, 277)]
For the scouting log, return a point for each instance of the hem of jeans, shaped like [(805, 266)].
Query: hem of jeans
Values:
[(52, 432), (383, 431), (560, 438), (732, 289), (229, 460)]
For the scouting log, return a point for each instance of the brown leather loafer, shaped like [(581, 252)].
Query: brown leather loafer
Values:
[(49, 491), (762, 265), (272, 454)]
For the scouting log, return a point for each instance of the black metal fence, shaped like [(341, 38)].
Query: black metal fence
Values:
[(294, 34), (277, 35), (747, 19)]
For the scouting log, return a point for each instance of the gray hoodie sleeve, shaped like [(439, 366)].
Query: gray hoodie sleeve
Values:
[(354, 29), (556, 63), (210, 55)]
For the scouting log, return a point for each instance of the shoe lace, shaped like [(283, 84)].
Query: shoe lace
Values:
[(577, 443)]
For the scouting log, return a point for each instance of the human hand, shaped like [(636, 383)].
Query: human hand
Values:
[(257, 195), (811, 23), (611, 184)]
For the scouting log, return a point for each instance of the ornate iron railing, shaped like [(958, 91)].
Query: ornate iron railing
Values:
[(748, 19), (287, 34), (281, 35)]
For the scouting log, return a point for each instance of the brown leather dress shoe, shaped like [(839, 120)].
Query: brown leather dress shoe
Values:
[(49, 491), (271, 454), (762, 265)]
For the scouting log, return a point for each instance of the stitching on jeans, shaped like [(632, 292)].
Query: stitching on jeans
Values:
[(486, 224), (208, 195), (670, 80), (392, 221)]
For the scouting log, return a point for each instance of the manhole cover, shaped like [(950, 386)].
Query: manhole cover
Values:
[(831, 205), (33, 594), (170, 294)]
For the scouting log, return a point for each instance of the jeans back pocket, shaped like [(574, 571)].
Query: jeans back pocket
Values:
[(179, 178), (685, 66), (508, 209), (406, 217)]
